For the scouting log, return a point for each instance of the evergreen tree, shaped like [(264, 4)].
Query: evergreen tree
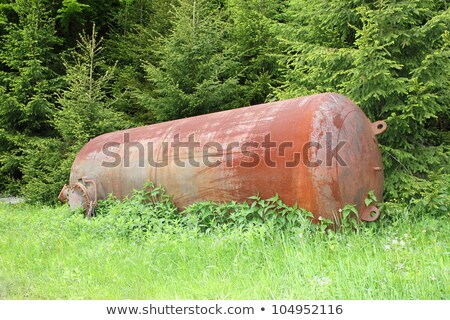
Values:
[(86, 106), (86, 111), (27, 80), (253, 40), (27, 84), (140, 26), (75, 16), (194, 74)]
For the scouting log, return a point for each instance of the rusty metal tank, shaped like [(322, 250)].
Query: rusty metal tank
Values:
[(319, 151)]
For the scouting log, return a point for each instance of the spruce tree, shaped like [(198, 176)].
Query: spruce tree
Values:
[(86, 105), (85, 110), (193, 74), (252, 38), (27, 84), (140, 26)]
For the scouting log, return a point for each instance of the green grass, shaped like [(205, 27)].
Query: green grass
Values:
[(50, 253)]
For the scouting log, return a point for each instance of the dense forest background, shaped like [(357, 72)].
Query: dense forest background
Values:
[(73, 69)]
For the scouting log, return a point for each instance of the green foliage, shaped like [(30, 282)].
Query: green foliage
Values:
[(27, 84), (45, 166), (26, 78), (371, 198), (146, 211), (140, 26), (194, 74), (434, 200), (77, 16), (86, 109), (349, 218), (70, 12), (151, 210), (252, 38), (272, 213), (152, 15), (11, 157)]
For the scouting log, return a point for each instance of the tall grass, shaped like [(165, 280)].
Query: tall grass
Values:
[(130, 251)]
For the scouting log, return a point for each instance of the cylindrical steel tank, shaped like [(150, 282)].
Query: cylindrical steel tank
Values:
[(318, 151)]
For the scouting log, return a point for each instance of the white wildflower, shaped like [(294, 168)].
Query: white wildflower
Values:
[(322, 281)]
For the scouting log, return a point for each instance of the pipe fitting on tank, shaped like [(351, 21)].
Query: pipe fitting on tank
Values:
[(80, 195)]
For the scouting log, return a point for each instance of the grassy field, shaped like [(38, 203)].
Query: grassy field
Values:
[(50, 253)]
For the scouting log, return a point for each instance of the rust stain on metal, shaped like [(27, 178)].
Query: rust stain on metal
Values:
[(322, 120)]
